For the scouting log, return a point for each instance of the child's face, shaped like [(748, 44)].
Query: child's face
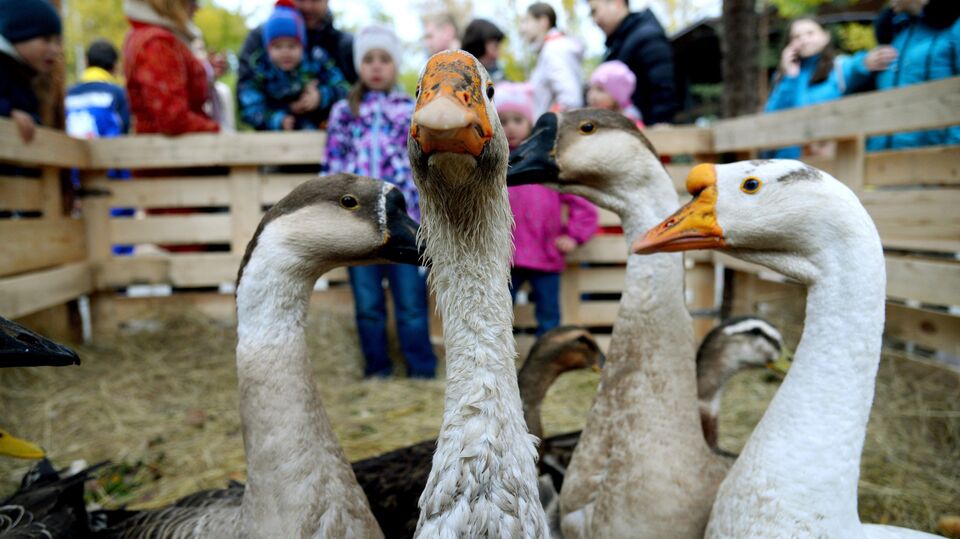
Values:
[(40, 53), (598, 98), (377, 70), (285, 53), (516, 127)]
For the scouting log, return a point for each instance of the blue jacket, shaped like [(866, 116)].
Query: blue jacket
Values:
[(97, 106), (925, 53), (849, 74)]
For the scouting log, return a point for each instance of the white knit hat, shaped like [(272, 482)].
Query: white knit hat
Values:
[(376, 37)]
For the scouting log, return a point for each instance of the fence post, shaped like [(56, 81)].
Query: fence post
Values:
[(850, 162), (96, 220), (245, 186)]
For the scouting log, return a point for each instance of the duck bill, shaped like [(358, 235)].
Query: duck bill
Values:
[(782, 364), (400, 237), (534, 161), (694, 226), (11, 446), (451, 114), (20, 347)]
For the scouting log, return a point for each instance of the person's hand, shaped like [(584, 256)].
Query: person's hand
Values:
[(288, 123), (880, 58), (565, 243), (25, 124), (790, 61), (308, 100)]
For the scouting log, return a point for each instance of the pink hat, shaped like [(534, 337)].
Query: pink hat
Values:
[(514, 97), (615, 78)]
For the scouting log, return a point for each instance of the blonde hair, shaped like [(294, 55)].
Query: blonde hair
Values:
[(174, 10)]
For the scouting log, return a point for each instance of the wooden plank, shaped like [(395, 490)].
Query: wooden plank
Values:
[(923, 106), (602, 280), (33, 292), (932, 329), (195, 228), (277, 186), (155, 151), (848, 164), (679, 174), (24, 194), (167, 192), (929, 215), (928, 281), (32, 244), (935, 165), (599, 313), (59, 323), (49, 147), (602, 248), (669, 140), (52, 198), (244, 207), (606, 217)]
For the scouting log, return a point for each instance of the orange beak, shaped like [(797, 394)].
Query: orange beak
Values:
[(694, 226), (451, 114)]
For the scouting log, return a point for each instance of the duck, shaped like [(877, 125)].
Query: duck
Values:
[(484, 480), (805, 224), (642, 467), (299, 482)]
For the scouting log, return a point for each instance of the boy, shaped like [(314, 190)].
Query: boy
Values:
[(97, 105)]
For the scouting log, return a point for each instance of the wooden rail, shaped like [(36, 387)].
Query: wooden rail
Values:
[(52, 256)]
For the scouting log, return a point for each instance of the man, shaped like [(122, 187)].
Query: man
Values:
[(638, 40), (482, 39), (557, 78), (322, 38), (440, 33)]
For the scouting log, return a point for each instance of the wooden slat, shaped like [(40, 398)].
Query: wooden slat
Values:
[(937, 165), (24, 194), (924, 327), (923, 106), (607, 218), (167, 192), (277, 186), (244, 207), (31, 244), (152, 151), (601, 280), (49, 147), (599, 313), (27, 294), (196, 228), (602, 248), (928, 281), (918, 214), (679, 174), (681, 140)]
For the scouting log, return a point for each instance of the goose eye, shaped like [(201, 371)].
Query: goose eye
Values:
[(490, 91), (417, 93), (750, 185), (587, 128), (349, 202)]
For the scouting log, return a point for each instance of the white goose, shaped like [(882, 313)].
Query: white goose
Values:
[(483, 482), (797, 475)]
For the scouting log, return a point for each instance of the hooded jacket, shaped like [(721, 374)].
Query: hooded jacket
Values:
[(16, 78), (557, 78), (538, 214)]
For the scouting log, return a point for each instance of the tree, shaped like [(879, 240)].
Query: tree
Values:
[(223, 30), (87, 20), (741, 55)]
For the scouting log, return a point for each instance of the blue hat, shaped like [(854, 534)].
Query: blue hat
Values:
[(285, 21), (23, 20)]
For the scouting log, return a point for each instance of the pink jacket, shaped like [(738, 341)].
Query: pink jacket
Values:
[(538, 212)]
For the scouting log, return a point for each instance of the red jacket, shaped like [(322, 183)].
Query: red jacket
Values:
[(166, 84)]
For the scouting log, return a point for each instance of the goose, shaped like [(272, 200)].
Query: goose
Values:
[(642, 468), (483, 482), (805, 224), (299, 483)]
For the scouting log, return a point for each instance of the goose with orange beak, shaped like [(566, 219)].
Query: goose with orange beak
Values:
[(483, 482), (798, 474)]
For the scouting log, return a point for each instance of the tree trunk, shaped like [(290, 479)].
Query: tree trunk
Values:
[(741, 56)]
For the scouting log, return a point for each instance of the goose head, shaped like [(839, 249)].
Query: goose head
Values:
[(334, 221), (783, 214), (598, 154), (563, 349), (455, 132), (745, 342)]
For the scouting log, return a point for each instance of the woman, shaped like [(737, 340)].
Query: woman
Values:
[(166, 84)]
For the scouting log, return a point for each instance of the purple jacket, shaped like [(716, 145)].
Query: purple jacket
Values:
[(538, 212), (374, 143)]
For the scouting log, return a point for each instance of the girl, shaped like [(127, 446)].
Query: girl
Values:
[(541, 238), (611, 87), (368, 135)]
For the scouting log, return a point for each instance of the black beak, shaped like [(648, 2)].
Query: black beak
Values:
[(534, 161), (20, 347), (401, 246)]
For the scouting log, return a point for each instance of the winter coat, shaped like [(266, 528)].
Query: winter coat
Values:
[(166, 84), (849, 74), (640, 43), (266, 94), (97, 106), (927, 50), (557, 78), (322, 43), (16, 89), (374, 143), (538, 213)]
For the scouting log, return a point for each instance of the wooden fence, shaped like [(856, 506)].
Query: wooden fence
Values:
[(54, 254)]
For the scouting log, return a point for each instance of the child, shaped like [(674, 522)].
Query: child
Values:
[(29, 45), (611, 87), (541, 238), (288, 90), (368, 136), (97, 105)]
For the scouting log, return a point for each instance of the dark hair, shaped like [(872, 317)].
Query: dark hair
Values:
[(477, 34), (825, 63), (101, 53), (540, 10)]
